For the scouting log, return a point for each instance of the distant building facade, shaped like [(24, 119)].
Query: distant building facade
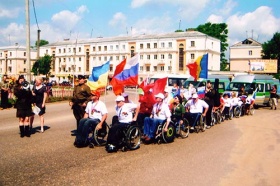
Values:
[(159, 53)]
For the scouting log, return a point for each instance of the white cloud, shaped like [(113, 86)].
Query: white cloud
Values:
[(227, 7), (215, 19), (11, 34), (9, 13), (119, 19), (261, 23)]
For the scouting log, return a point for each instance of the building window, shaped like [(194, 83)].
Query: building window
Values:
[(105, 48), (69, 50), (169, 56), (155, 45), (148, 57), (111, 47), (192, 43), (99, 58), (181, 58), (141, 56), (141, 46), (162, 45), (123, 47), (99, 48), (64, 50), (111, 68), (161, 68), (123, 57), (170, 44), (155, 68), (148, 68), (80, 49), (111, 58), (117, 47), (250, 52), (93, 58), (24, 70), (105, 58), (162, 56), (141, 68), (24, 62), (192, 56), (24, 53), (117, 57), (155, 56), (148, 45), (10, 53), (80, 69), (93, 49), (80, 59)]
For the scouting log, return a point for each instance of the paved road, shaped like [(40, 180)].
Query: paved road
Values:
[(243, 151)]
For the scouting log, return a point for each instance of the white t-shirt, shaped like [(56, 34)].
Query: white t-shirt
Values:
[(196, 107), (235, 101), (96, 110), (227, 102), (161, 111), (249, 100), (125, 113)]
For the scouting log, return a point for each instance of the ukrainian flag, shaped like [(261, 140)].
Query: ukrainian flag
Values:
[(99, 76)]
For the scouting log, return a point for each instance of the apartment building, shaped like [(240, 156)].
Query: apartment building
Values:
[(242, 52), (13, 60), (159, 53)]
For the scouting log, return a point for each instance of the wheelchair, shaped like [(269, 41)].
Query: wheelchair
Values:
[(182, 130), (162, 136), (217, 116), (98, 137), (200, 124), (131, 137), (238, 110)]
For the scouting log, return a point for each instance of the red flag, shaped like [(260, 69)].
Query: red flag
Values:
[(119, 67), (193, 70), (159, 85)]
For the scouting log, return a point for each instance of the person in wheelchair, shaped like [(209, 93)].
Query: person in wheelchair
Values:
[(177, 109), (127, 114), (160, 113), (94, 117), (194, 109), (227, 106), (249, 103)]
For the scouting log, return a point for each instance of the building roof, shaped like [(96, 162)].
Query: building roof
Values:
[(247, 42), (130, 38)]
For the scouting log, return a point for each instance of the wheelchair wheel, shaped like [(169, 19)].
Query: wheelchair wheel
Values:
[(133, 138), (169, 135), (100, 136), (230, 115), (184, 129), (201, 125), (218, 117), (237, 111)]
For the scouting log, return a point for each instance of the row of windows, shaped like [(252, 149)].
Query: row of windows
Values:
[(10, 62), (11, 54), (10, 70)]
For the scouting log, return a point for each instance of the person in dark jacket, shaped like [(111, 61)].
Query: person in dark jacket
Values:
[(23, 105)]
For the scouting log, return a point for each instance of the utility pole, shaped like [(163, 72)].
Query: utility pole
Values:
[(27, 24)]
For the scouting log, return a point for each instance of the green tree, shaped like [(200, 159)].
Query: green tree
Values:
[(42, 42), (42, 65), (219, 31), (271, 50), (179, 30)]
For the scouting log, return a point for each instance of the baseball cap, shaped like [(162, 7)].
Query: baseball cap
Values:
[(95, 92), (159, 95), (124, 94), (195, 96), (120, 98)]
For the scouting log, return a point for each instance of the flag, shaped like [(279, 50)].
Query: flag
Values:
[(159, 85), (99, 76), (199, 68), (119, 67), (126, 75)]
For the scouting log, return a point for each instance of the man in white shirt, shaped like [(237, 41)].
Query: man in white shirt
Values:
[(194, 108), (160, 113), (126, 113), (249, 103), (94, 117)]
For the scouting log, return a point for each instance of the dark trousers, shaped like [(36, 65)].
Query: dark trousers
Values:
[(4, 99), (192, 118), (86, 125), (78, 112), (140, 120), (116, 134)]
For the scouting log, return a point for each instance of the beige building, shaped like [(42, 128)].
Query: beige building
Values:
[(242, 52), (159, 53)]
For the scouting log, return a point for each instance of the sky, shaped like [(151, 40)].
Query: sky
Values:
[(81, 19)]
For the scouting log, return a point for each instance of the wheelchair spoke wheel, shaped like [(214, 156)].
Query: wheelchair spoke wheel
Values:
[(252, 111), (133, 139), (169, 135), (184, 129), (100, 136), (202, 124), (237, 112)]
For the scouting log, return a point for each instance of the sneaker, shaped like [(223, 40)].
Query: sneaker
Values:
[(208, 127), (192, 128)]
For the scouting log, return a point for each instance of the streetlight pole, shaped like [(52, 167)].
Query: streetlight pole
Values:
[(27, 18)]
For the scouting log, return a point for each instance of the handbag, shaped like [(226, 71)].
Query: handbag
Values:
[(36, 110)]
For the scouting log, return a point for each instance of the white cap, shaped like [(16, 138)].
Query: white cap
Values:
[(195, 96), (120, 98), (124, 94), (159, 95)]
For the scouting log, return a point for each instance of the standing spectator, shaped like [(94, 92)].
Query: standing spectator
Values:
[(95, 117), (4, 85), (40, 95), (209, 99), (273, 97), (23, 105), (81, 95), (146, 105)]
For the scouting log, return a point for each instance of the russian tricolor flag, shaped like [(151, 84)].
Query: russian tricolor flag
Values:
[(126, 73)]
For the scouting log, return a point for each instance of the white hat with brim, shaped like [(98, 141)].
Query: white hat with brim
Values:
[(194, 96), (159, 95), (120, 98)]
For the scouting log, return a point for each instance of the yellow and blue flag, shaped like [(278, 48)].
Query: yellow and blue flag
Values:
[(99, 76)]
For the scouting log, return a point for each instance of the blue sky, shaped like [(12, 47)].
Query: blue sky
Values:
[(60, 19)]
